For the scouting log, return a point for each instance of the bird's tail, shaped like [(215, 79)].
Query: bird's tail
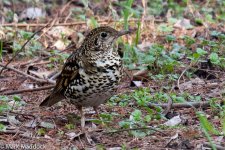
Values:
[(52, 99)]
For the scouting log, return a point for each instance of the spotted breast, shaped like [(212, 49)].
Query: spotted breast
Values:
[(92, 73)]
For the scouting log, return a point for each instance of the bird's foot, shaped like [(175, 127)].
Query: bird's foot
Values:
[(84, 134)]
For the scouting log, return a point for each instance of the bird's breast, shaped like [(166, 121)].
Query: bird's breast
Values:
[(95, 88)]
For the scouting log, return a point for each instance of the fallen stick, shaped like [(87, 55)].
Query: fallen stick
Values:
[(183, 105), (134, 129), (27, 75), (102, 22), (218, 147), (27, 90)]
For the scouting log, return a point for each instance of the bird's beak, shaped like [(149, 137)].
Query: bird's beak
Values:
[(124, 32)]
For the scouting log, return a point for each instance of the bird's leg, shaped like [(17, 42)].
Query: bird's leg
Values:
[(82, 118), (86, 135)]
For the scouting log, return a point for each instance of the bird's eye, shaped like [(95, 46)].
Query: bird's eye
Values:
[(103, 34)]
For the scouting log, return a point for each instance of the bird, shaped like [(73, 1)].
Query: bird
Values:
[(91, 74)]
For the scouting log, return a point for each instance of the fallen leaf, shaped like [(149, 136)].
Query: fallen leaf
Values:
[(60, 31), (60, 45), (47, 125), (173, 121), (183, 24), (31, 124), (32, 13)]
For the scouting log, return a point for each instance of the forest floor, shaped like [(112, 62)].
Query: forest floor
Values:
[(172, 96)]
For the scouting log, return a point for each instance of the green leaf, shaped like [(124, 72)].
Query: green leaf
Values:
[(170, 38), (165, 28), (138, 33), (196, 56), (41, 131), (148, 118), (124, 124), (138, 133), (106, 117), (199, 21), (201, 51), (223, 124), (136, 115), (69, 126), (206, 125), (2, 127), (4, 107), (93, 22), (17, 98), (4, 98), (214, 58), (127, 12)]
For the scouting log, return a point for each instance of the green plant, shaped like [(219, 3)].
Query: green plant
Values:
[(41, 131), (92, 22), (189, 41), (105, 118), (207, 128), (121, 100), (32, 48), (170, 38), (165, 28), (155, 7), (142, 96), (4, 104), (137, 120), (69, 126), (60, 132), (138, 33), (57, 57), (127, 12), (2, 127), (218, 110)]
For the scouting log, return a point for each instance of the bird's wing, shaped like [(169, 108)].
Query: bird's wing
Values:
[(69, 72)]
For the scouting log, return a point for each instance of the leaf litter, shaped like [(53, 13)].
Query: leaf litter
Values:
[(48, 126)]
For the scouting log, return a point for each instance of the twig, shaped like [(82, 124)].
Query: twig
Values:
[(133, 129), (178, 81), (19, 133), (67, 17), (17, 52), (27, 75), (10, 132), (208, 70), (53, 22), (218, 147), (183, 105), (27, 90), (144, 3), (19, 114), (65, 7), (55, 76), (169, 106), (102, 22)]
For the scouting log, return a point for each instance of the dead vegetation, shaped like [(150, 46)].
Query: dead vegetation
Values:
[(172, 96)]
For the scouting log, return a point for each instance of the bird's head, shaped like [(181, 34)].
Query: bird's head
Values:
[(101, 39)]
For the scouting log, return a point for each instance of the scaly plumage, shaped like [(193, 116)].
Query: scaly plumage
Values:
[(92, 72)]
